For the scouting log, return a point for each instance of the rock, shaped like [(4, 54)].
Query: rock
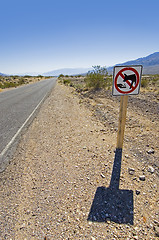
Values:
[(90, 223), (151, 169), (156, 229), (136, 237), (28, 212), (102, 175), (137, 192), (99, 104), (131, 171), (22, 226), (108, 220), (92, 238), (156, 222), (151, 151), (142, 177)]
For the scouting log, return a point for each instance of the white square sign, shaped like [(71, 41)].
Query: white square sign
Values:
[(126, 80)]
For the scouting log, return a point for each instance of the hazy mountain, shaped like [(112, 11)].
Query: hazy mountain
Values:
[(150, 64), (1, 74), (29, 74), (67, 71)]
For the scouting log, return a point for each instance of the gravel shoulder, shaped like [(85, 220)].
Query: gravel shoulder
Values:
[(62, 161)]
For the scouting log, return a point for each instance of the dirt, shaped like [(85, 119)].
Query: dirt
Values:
[(63, 182), (142, 119)]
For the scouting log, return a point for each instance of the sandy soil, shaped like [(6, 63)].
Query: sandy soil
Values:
[(58, 184)]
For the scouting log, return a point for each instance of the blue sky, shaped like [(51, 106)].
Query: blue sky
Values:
[(40, 36)]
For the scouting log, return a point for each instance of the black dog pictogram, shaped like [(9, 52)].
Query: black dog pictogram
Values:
[(131, 77)]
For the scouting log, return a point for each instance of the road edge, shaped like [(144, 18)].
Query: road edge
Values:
[(8, 152)]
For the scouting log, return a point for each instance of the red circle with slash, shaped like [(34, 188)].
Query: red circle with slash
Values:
[(120, 73)]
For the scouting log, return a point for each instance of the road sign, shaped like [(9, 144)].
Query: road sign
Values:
[(126, 80)]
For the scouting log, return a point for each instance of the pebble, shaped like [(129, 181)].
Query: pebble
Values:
[(151, 151), (137, 192), (92, 238), (22, 226), (156, 229), (142, 178), (90, 223), (151, 169), (136, 237), (28, 212), (131, 171), (156, 222), (102, 175)]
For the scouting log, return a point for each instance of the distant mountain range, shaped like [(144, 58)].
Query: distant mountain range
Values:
[(67, 71), (1, 74), (150, 64)]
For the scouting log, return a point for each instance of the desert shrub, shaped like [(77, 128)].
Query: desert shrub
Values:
[(11, 84), (155, 80), (61, 76), (72, 84), (97, 78), (144, 82), (39, 76), (8, 85), (27, 76), (79, 87), (66, 81), (21, 81)]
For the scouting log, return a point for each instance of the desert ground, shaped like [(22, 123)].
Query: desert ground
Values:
[(59, 182)]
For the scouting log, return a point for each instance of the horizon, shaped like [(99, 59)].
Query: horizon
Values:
[(41, 37)]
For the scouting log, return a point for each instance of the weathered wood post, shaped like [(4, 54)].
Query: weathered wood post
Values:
[(122, 120)]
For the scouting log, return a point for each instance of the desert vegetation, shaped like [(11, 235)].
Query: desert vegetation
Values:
[(15, 80), (99, 79), (150, 82), (94, 80)]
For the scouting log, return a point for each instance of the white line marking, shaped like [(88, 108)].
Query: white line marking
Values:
[(20, 129)]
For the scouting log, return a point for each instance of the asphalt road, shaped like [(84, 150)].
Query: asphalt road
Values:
[(16, 107)]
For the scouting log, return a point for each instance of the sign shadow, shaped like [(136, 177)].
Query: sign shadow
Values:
[(112, 203)]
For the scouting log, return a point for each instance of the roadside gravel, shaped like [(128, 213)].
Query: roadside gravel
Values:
[(64, 163)]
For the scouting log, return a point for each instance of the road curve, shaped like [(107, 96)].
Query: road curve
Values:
[(17, 108)]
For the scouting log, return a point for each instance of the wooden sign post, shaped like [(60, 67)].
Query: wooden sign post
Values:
[(126, 81), (122, 120)]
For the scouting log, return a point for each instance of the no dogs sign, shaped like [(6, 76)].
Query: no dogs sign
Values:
[(126, 80)]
